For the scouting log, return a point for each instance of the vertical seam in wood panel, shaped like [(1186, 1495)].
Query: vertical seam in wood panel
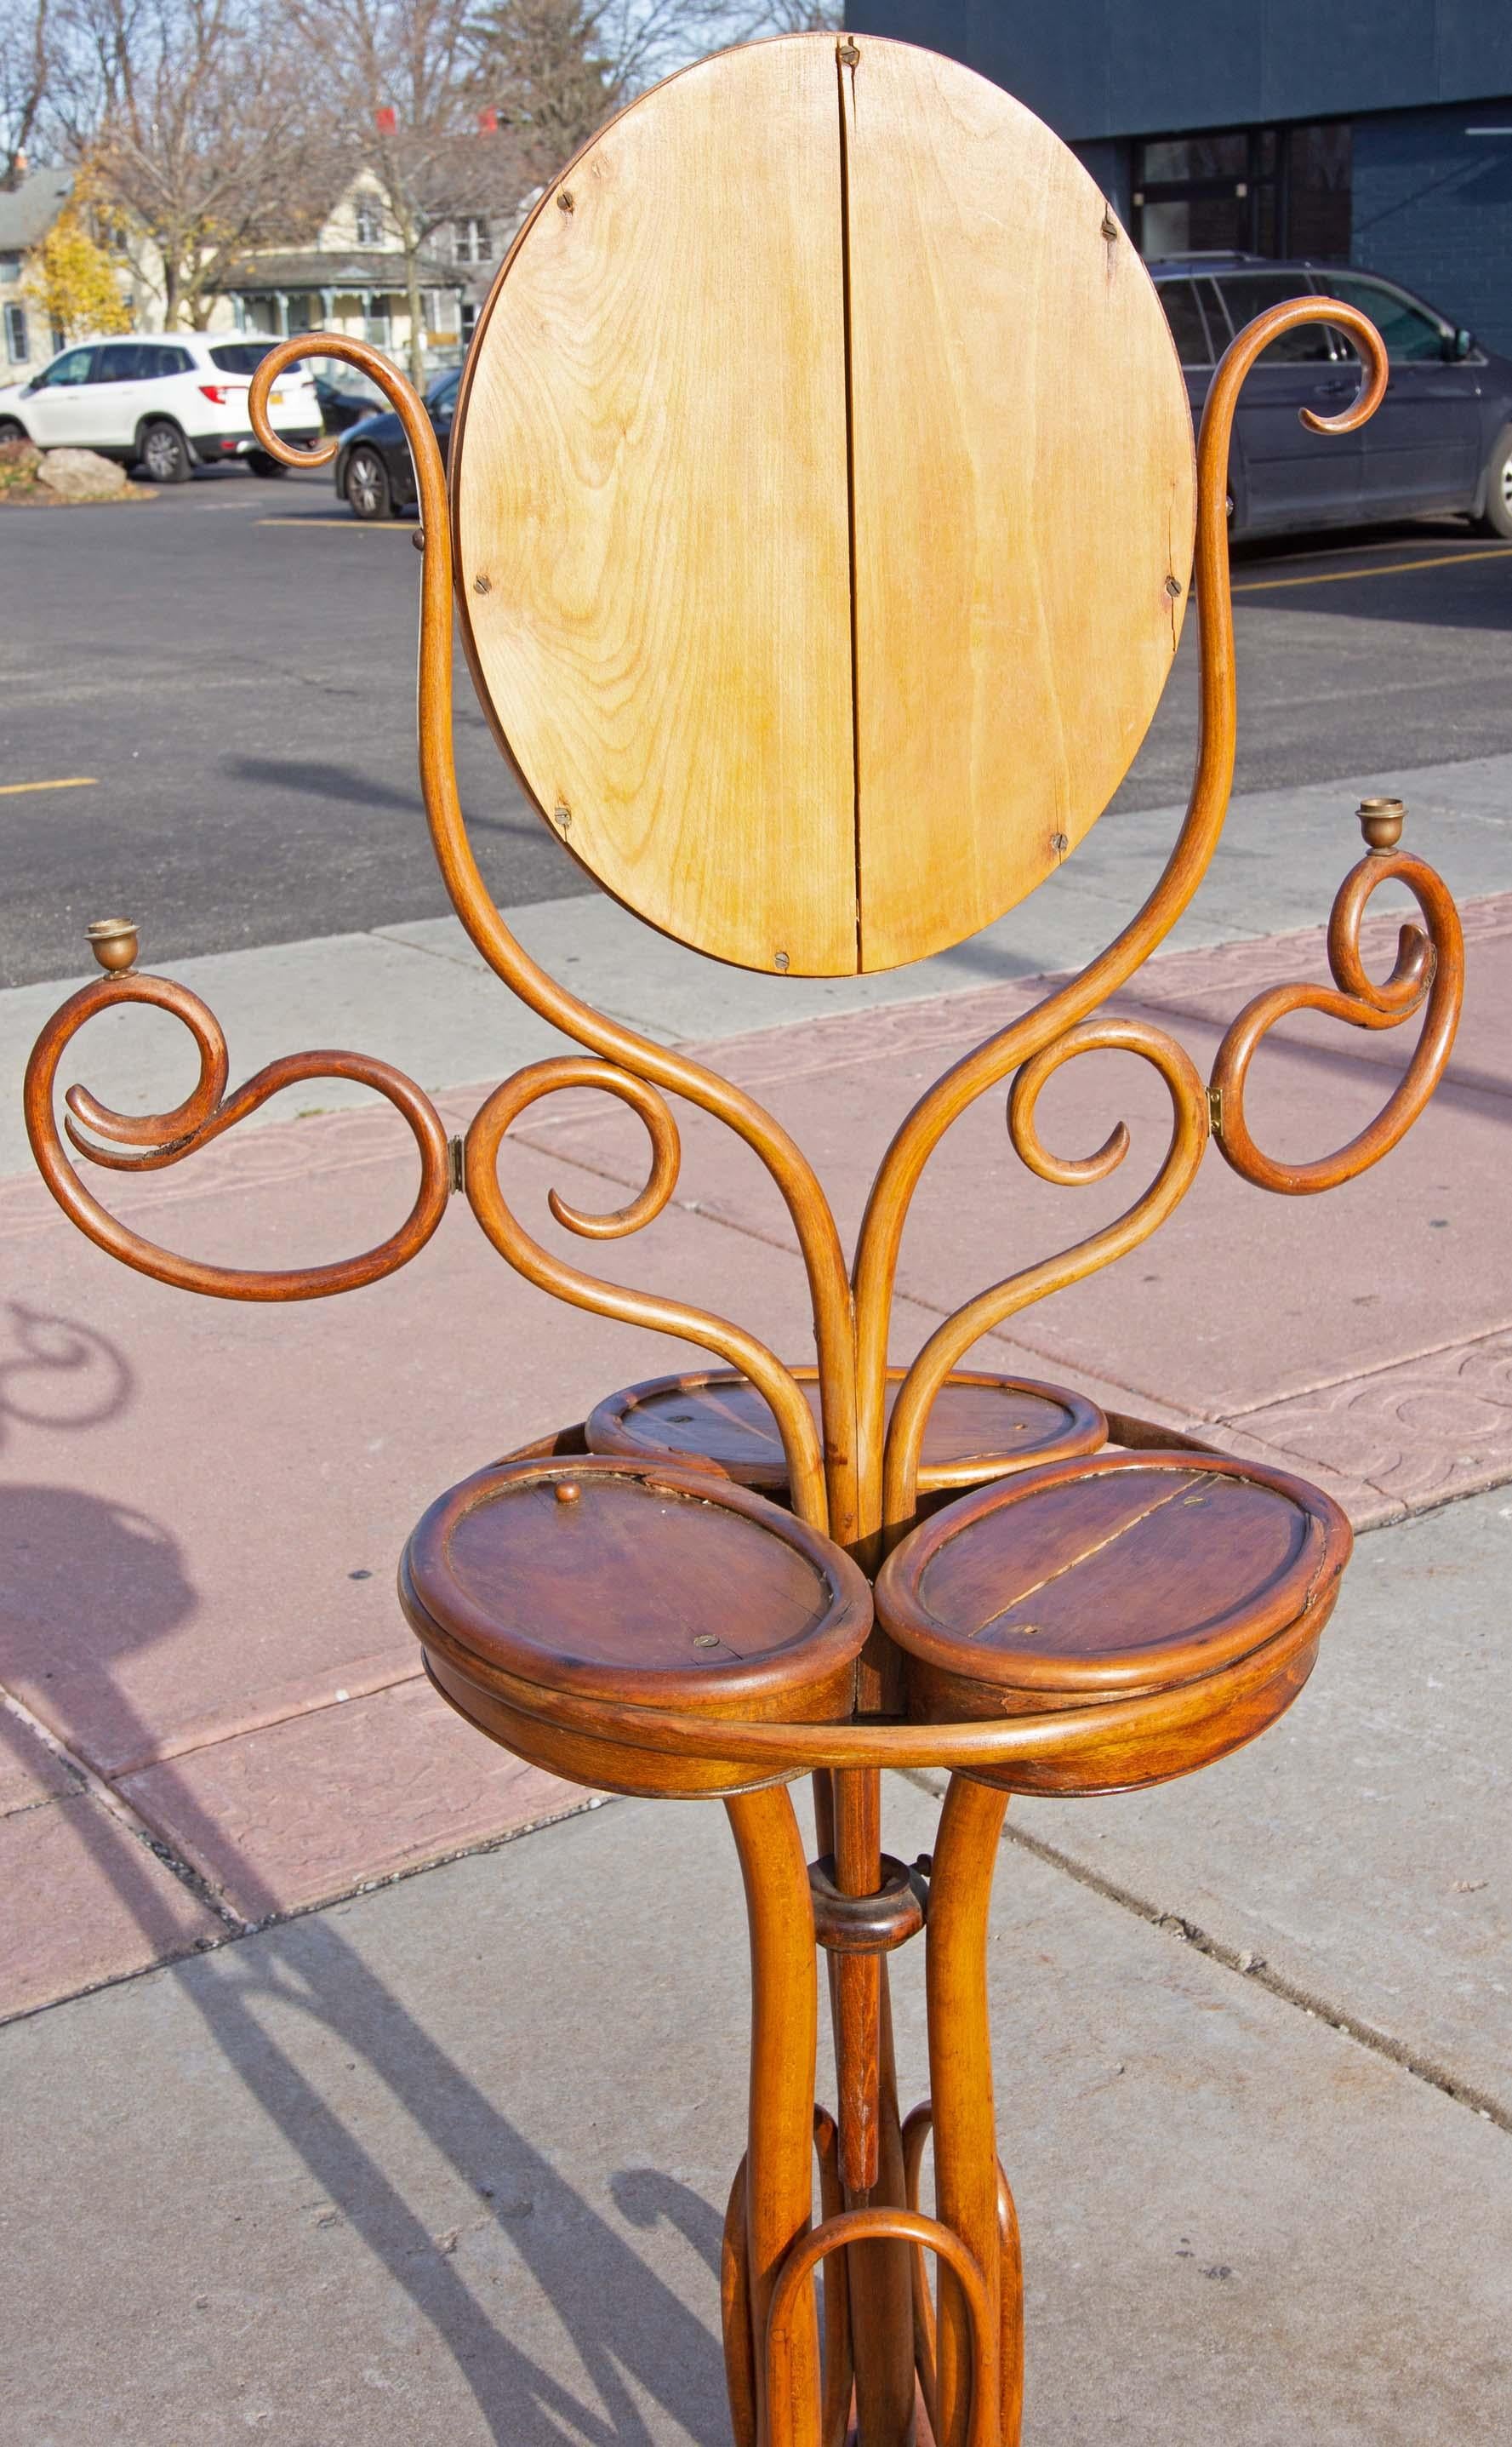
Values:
[(850, 492)]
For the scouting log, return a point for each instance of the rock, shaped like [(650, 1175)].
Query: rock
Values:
[(80, 476)]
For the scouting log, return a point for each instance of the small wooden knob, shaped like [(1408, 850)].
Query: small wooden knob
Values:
[(113, 942), (567, 1490), (1381, 821)]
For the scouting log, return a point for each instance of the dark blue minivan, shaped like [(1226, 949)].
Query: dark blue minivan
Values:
[(1440, 441)]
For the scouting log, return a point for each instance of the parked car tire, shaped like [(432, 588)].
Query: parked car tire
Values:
[(1496, 519), (370, 495), (12, 430), (164, 453), (263, 463)]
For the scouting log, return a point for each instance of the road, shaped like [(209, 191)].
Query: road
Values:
[(229, 671)]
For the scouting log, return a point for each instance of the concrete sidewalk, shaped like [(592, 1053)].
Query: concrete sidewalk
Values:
[(446, 2165), (1254, 2031)]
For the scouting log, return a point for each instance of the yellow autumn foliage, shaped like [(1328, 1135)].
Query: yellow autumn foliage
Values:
[(73, 282)]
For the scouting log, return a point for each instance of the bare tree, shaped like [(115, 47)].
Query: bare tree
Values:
[(542, 70), (402, 73), (200, 134), (28, 59), (554, 69)]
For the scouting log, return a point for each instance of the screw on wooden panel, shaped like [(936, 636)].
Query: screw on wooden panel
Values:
[(1381, 821), (781, 961), (418, 539), (1173, 588), (705, 1640), (482, 583), (565, 201), (567, 1490), (1060, 844), (1025, 1630), (848, 53), (561, 815)]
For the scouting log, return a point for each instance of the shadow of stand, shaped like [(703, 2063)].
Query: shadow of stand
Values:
[(57, 1534)]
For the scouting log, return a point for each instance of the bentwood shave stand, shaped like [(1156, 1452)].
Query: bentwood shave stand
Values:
[(821, 521)]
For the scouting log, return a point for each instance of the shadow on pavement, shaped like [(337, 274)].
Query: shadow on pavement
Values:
[(117, 1581)]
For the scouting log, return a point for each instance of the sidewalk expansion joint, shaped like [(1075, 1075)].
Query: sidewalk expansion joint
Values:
[(1249, 1966), (236, 1928), (131, 1821)]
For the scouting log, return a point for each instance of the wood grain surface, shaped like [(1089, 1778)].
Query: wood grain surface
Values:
[(982, 1426), (1121, 1571), (629, 1580), (649, 481), (1024, 492), (823, 493)]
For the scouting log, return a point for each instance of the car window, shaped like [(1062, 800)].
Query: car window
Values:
[(1248, 293), (120, 362), (443, 395), (1411, 337), (240, 356), (1187, 321), (67, 371), (157, 362)]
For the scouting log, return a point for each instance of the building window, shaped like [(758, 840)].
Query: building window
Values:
[(470, 242), (375, 323), (17, 351), (367, 212), (1247, 191), (469, 320)]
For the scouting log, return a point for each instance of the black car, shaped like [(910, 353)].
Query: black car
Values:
[(374, 473), (1440, 441), (344, 404)]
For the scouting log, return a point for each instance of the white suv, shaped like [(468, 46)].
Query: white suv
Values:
[(163, 402)]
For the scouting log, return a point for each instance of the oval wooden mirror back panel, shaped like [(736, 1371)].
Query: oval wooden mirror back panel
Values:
[(822, 485)]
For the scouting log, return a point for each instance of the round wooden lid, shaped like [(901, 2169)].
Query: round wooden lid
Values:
[(634, 1582), (1090, 1575), (981, 1425), (822, 492)]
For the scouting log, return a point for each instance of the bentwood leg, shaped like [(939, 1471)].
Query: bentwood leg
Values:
[(785, 2033), (882, 2311), (961, 2066)]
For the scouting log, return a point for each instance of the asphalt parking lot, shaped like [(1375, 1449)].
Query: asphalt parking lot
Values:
[(207, 714)]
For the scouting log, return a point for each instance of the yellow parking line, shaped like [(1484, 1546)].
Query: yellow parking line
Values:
[(1382, 569), (394, 526), (78, 782)]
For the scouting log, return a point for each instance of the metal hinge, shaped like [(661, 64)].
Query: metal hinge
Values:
[(456, 1166), (1215, 1111)]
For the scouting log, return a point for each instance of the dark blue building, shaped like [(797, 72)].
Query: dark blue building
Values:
[(1379, 134)]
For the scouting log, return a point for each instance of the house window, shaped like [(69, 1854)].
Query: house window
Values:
[(470, 242), (369, 214), (469, 320), (17, 349)]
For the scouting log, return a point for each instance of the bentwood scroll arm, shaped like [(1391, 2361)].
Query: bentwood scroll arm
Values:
[(145, 1144), (1428, 967), (795, 1178), (485, 1135), (954, 1338), (920, 1133)]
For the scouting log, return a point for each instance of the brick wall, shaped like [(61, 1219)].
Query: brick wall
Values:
[(1432, 206)]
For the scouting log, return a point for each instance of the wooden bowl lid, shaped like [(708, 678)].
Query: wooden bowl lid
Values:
[(634, 1582), (1099, 1574), (980, 1426), (823, 489)]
